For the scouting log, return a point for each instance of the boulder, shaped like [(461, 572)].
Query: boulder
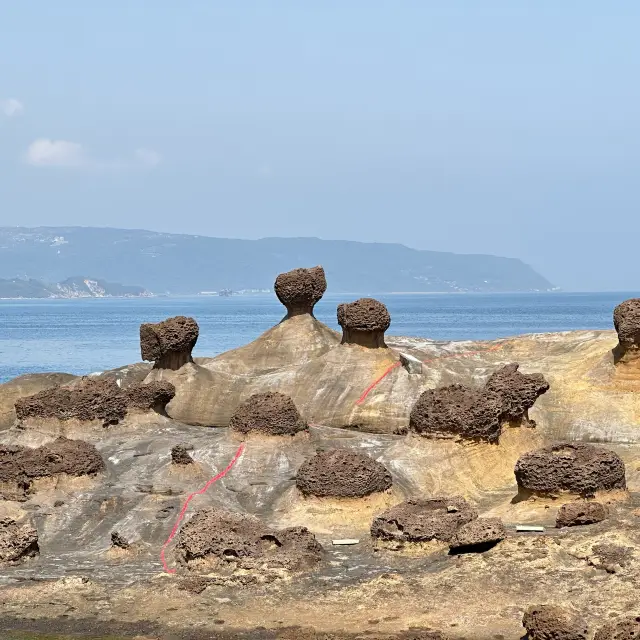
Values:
[(423, 520), (570, 466), (299, 290), (364, 322), (223, 536), (180, 455), (624, 629), (342, 473), (478, 535), (549, 622), (582, 512), (17, 540), (272, 414), (626, 320), (169, 343)]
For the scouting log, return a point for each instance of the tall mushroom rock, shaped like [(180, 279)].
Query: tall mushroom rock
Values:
[(169, 343), (299, 290), (626, 320), (364, 322)]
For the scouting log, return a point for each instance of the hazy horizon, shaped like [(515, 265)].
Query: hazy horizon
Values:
[(495, 128)]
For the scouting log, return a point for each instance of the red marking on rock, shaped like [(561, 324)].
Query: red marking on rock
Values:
[(183, 511), (375, 383)]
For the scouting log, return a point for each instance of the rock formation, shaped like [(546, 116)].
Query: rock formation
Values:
[(626, 320), (272, 414), (573, 514), (549, 622), (118, 541), (299, 290), (342, 473), (169, 343), (624, 629), (19, 466), (180, 455), (225, 537), (478, 535), (458, 411), (364, 322), (570, 466), (91, 399), (423, 520), (17, 540), (518, 391)]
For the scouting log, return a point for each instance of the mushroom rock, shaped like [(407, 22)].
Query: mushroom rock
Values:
[(342, 473), (458, 411), (578, 513), (169, 343), (478, 535), (299, 290), (423, 520), (550, 622), (18, 540), (364, 322), (624, 629), (224, 537), (180, 455), (272, 414), (626, 320), (518, 391), (572, 467)]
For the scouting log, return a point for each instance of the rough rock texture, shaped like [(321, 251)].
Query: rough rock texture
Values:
[(549, 622), (271, 414), (422, 520), (518, 391), (478, 535), (570, 466), (299, 290), (19, 466), (90, 399), (342, 473), (119, 541), (364, 322), (626, 320), (17, 540), (573, 514), (180, 455), (458, 411), (169, 343), (625, 629), (245, 540)]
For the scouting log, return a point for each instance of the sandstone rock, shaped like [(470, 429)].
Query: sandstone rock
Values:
[(299, 290), (17, 540), (271, 414), (364, 322), (169, 343), (624, 629), (549, 622), (422, 520), (518, 391), (152, 396), (573, 514), (180, 455), (478, 535), (232, 537), (342, 473), (458, 411), (626, 320), (119, 541), (570, 466)]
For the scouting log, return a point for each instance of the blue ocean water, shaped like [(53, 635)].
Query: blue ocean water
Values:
[(85, 335)]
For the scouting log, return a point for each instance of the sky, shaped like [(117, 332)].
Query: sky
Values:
[(500, 127)]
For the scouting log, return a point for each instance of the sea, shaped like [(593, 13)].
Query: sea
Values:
[(93, 334)]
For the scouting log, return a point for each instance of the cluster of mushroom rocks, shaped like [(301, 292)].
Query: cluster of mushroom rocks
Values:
[(271, 414), (299, 290), (478, 413), (90, 399), (168, 344), (626, 320), (364, 322), (342, 473)]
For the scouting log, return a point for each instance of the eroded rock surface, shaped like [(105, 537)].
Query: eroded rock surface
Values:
[(17, 540), (169, 343), (478, 535), (272, 414), (573, 514), (570, 466), (549, 622), (119, 541), (625, 629), (626, 320), (180, 455), (423, 520), (299, 290), (225, 537), (364, 322), (342, 473)]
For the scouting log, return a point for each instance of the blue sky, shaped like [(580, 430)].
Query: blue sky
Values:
[(502, 127)]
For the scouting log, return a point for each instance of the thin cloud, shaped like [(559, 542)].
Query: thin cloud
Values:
[(148, 157), (11, 107)]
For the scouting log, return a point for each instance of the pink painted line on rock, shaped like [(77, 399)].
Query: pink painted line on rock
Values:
[(183, 511)]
